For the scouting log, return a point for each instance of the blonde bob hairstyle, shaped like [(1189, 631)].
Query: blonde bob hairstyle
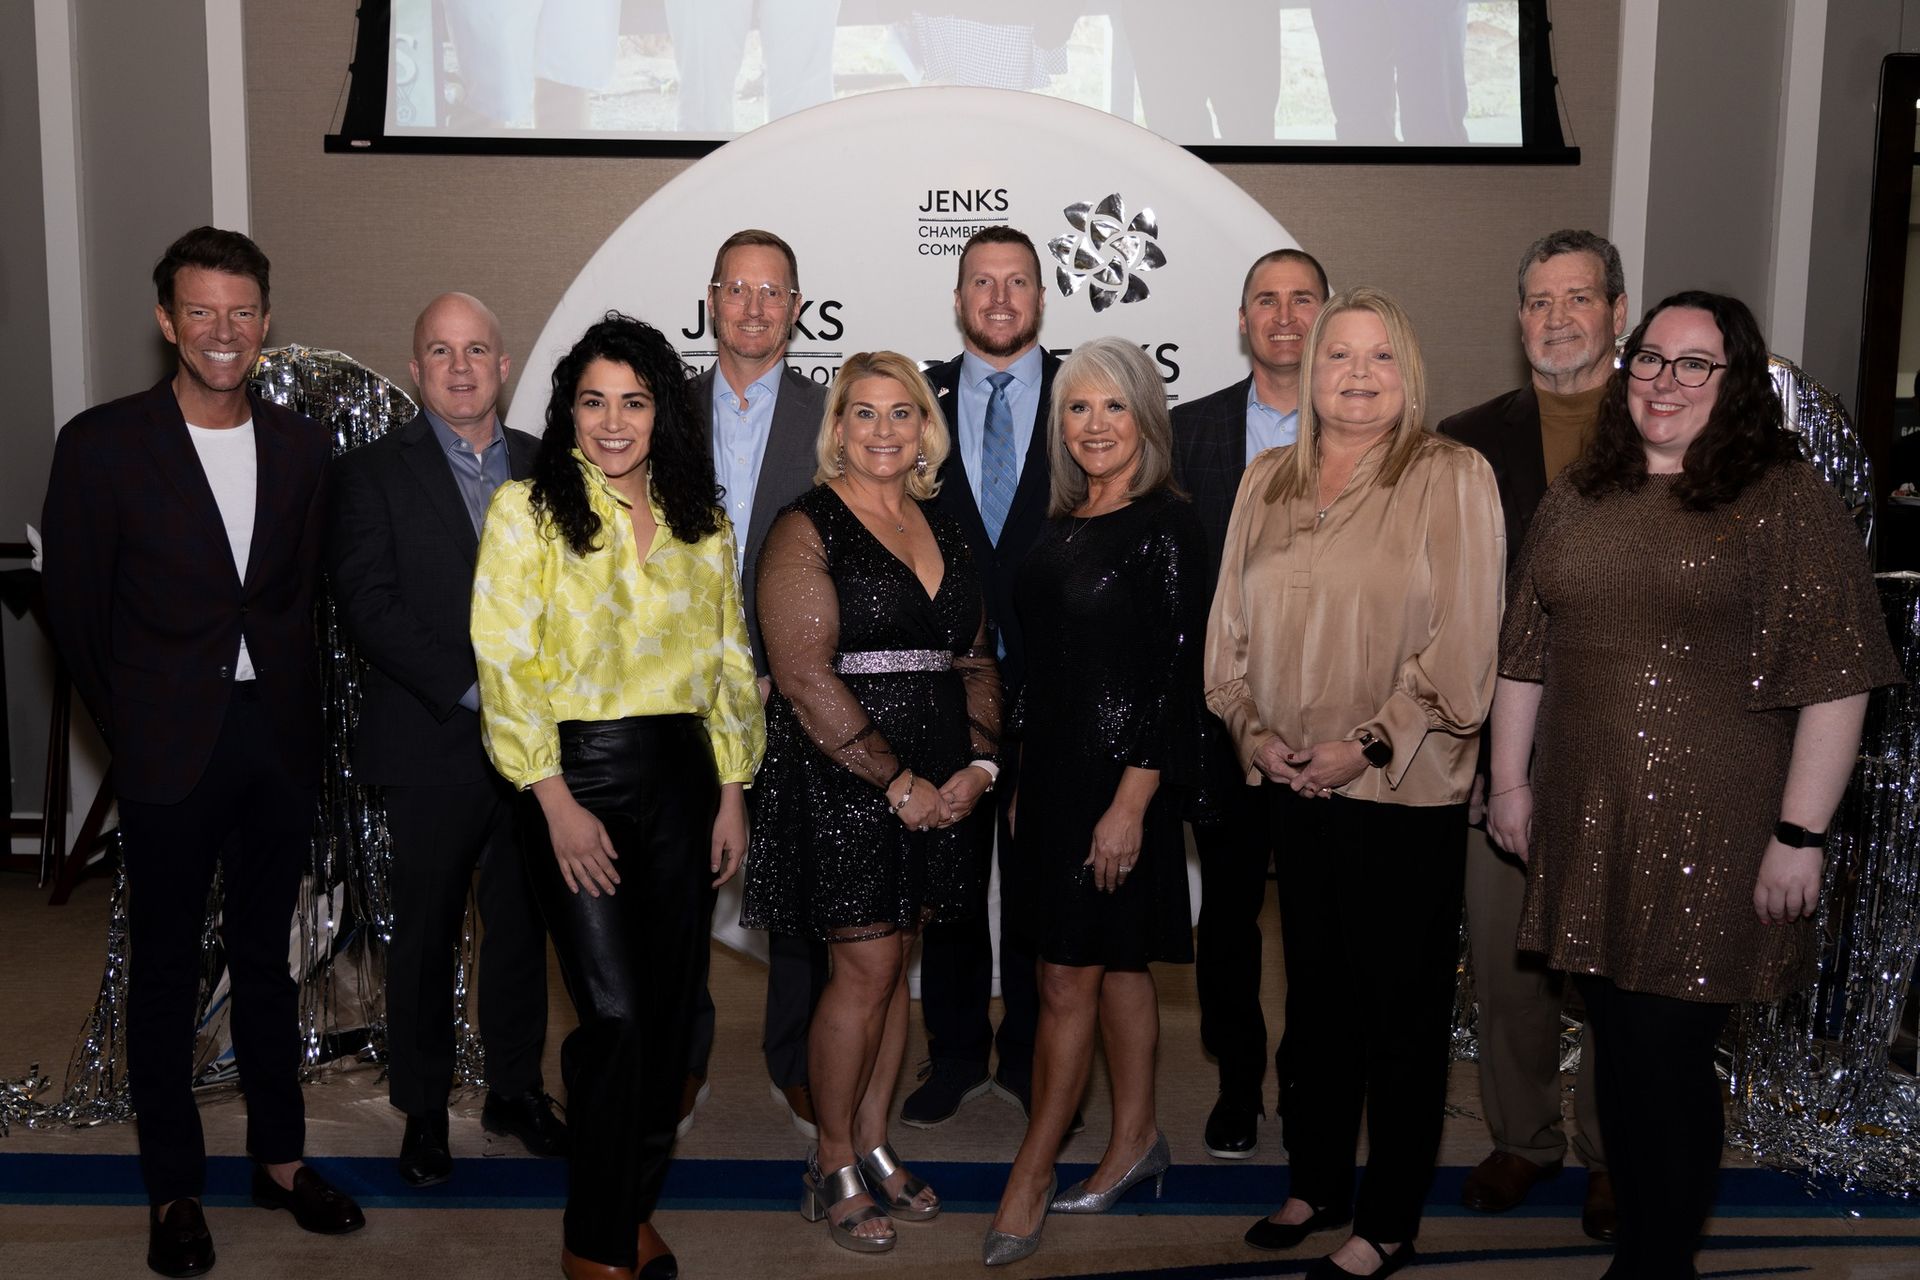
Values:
[(922, 481), (1114, 367), (1299, 471)]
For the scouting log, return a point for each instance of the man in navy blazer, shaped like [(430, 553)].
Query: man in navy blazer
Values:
[(997, 390), (764, 418), (403, 528), (181, 536), (1214, 438)]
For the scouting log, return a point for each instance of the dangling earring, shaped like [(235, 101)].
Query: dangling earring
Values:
[(839, 457), (920, 461)]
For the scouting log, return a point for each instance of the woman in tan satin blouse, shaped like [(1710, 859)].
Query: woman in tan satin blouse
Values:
[(1351, 653)]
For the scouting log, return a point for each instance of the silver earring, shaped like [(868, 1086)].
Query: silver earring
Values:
[(920, 461), (839, 458)]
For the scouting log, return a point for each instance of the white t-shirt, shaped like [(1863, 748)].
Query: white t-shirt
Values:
[(227, 456)]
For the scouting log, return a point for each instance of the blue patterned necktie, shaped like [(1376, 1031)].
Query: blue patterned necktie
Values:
[(997, 476)]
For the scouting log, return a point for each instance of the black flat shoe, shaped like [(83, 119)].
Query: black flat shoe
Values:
[(316, 1204), (179, 1244), (1328, 1269), (425, 1157), (528, 1117), (1267, 1234)]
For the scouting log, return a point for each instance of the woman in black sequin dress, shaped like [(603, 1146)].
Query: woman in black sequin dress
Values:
[(1114, 599), (881, 736)]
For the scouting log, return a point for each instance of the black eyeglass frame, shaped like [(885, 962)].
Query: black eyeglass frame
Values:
[(1626, 362)]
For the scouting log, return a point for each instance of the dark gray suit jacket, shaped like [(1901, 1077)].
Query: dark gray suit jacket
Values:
[(1209, 457), (400, 549), (786, 472)]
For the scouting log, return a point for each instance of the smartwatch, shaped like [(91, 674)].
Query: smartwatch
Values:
[(1795, 836), (1377, 752)]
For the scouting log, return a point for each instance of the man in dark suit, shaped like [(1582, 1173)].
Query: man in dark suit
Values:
[(1214, 438), (995, 395), (1573, 305), (765, 418), (403, 528), (181, 537)]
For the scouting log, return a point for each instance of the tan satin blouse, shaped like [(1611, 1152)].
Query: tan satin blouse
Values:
[(1384, 615)]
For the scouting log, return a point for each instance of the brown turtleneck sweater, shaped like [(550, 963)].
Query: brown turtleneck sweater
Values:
[(1566, 425)]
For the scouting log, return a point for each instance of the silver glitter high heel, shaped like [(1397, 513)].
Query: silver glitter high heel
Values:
[(882, 1163), (1154, 1164), (999, 1248)]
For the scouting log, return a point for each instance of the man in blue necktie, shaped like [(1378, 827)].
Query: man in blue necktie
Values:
[(995, 483)]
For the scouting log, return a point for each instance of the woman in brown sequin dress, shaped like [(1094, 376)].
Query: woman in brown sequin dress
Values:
[(1691, 634)]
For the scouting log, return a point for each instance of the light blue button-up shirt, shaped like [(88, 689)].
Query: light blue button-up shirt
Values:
[(739, 446), (1023, 399), (1267, 427)]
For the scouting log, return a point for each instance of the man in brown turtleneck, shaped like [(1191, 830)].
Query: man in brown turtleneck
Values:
[(1573, 306)]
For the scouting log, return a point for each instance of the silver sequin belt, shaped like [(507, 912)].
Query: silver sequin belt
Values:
[(892, 662)]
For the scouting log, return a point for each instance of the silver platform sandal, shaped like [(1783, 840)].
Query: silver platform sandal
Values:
[(882, 1163), (1000, 1248), (1154, 1164), (825, 1191)]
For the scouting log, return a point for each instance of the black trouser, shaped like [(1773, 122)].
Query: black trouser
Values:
[(440, 834), (1662, 1121), (256, 823), (956, 970), (1370, 925), (630, 960), (1234, 855)]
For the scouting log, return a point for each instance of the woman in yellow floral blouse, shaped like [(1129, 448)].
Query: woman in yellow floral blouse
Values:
[(616, 687)]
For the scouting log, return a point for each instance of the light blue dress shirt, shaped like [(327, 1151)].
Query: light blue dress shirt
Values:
[(740, 434), (1267, 428), (476, 475), (1023, 401)]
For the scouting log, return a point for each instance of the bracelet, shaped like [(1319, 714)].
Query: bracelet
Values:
[(1510, 790), (906, 797)]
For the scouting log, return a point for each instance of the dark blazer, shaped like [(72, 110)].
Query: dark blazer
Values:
[(1209, 457), (399, 555), (1506, 432), (1025, 518), (786, 472), (145, 601)]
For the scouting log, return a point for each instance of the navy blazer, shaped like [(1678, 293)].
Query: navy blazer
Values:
[(1506, 432), (147, 605), (400, 550), (786, 472), (1209, 457), (999, 563)]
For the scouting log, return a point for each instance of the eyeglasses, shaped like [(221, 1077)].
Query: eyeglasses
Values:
[(737, 293), (1688, 371)]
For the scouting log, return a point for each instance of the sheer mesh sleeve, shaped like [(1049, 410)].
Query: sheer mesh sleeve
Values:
[(985, 697), (799, 613)]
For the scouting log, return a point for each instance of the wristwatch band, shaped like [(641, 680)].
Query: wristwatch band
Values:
[(1795, 836), (1377, 752)]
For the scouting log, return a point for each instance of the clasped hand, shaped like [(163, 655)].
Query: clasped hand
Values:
[(919, 805), (1317, 772)]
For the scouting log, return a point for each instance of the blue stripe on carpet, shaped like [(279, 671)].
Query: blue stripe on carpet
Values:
[(520, 1183)]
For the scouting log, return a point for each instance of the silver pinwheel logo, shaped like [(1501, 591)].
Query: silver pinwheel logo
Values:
[(1107, 252)]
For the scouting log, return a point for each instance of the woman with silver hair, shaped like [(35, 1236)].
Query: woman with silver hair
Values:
[(1114, 598)]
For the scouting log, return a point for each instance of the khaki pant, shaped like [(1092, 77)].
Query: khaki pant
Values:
[(1520, 1001)]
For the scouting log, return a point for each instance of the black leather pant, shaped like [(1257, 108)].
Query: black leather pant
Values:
[(631, 961)]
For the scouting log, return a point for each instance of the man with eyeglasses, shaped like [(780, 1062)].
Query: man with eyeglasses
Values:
[(765, 417), (1573, 307), (1214, 438)]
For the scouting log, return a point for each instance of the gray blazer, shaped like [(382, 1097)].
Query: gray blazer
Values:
[(786, 472)]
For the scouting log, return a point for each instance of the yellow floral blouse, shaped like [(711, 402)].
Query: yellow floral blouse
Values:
[(606, 635)]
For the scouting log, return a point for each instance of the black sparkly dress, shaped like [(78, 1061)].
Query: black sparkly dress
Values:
[(1115, 612), (860, 659)]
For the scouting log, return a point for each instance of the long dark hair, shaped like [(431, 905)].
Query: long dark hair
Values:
[(679, 459), (1745, 435)]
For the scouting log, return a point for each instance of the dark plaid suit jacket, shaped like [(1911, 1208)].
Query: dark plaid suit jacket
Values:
[(1210, 456)]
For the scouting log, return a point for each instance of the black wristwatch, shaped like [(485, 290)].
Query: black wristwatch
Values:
[(1376, 751), (1795, 836)]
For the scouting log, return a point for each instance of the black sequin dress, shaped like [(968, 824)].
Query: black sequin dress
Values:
[(829, 858), (1115, 612)]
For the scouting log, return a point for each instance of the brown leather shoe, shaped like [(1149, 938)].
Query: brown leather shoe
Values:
[(1598, 1217), (574, 1268), (798, 1100), (656, 1261), (1502, 1181)]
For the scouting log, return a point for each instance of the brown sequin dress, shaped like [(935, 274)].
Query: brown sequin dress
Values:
[(1676, 647)]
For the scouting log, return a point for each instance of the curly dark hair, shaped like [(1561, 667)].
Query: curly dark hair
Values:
[(679, 459), (1745, 436)]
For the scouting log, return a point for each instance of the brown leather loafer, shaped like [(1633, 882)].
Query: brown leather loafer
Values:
[(577, 1268), (316, 1204), (179, 1243), (1502, 1181), (1598, 1217)]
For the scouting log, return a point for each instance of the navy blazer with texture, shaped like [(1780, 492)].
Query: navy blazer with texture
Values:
[(1209, 457)]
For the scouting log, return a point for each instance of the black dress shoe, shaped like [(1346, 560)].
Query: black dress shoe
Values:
[(948, 1084), (316, 1204), (425, 1157), (1268, 1234), (1233, 1128), (1328, 1269), (179, 1244), (1019, 1091), (528, 1117)]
